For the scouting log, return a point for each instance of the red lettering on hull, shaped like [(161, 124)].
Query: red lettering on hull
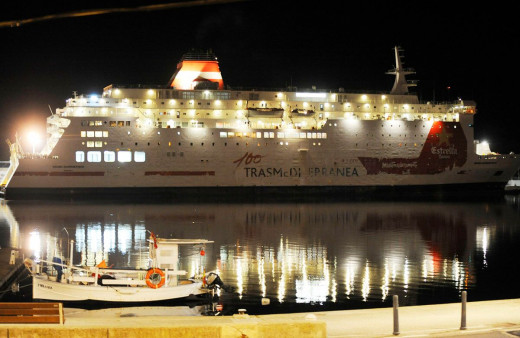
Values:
[(445, 148)]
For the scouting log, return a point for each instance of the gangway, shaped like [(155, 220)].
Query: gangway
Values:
[(8, 168)]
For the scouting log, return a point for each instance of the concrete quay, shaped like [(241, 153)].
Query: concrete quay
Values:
[(486, 319)]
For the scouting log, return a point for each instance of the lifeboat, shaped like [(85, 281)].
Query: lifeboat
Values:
[(302, 112), (265, 112)]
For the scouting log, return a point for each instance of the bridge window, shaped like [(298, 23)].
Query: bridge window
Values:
[(124, 156), (94, 156), (80, 156), (139, 156), (109, 156)]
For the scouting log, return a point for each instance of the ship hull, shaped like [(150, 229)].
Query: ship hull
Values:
[(268, 194), (194, 162)]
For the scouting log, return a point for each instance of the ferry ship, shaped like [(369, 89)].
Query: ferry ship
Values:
[(194, 133)]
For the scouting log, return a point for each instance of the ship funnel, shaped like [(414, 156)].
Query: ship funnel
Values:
[(198, 69), (400, 84)]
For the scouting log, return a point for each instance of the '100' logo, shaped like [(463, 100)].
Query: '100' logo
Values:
[(248, 158)]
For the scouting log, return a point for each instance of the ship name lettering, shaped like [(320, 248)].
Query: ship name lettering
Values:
[(249, 158), (444, 151), (272, 172), (343, 171), (45, 286), (390, 165)]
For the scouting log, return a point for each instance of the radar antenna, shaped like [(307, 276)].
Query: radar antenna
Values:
[(401, 84)]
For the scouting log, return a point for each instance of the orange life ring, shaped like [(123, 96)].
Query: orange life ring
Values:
[(152, 281)]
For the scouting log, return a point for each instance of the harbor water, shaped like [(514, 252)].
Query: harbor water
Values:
[(294, 257)]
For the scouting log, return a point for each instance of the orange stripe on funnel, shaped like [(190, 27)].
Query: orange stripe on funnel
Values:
[(190, 72)]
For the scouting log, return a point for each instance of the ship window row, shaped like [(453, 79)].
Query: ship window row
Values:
[(91, 123), (119, 123), (270, 134), (94, 144), (92, 133), (111, 156), (296, 134)]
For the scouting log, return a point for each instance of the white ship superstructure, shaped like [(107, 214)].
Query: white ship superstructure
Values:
[(193, 133)]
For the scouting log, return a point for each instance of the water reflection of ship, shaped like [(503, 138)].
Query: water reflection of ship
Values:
[(445, 234), (9, 228), (308, 253)]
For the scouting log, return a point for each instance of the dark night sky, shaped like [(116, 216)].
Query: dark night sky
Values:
[(268, 44)]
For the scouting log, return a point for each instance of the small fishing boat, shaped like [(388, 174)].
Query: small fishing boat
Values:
[(162, 281), (513, 185)]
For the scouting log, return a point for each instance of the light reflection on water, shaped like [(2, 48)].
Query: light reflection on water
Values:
[(341, 255)]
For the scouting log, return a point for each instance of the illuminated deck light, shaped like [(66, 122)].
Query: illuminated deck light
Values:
[(34, 139), (311, 95)]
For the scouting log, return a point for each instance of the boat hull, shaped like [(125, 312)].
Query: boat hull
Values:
[(50, 290)]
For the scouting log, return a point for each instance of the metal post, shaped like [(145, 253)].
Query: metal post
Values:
[(71, 254), (396, 315), (463, 312)]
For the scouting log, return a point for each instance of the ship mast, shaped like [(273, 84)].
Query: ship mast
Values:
[(400, 84)]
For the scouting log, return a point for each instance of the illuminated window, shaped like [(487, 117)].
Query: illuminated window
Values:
[(109, 156), (105, 134), (98, 134), (90, 134), (90, 144), (112, 123), (94, 156), (139, 156), (124, 156), (80, 156), (223, 134), (83, 134), (98, 144)]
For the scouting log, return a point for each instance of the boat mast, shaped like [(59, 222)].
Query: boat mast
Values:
[(400, 84)]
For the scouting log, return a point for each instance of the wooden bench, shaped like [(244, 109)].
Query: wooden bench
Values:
[(45, 313)]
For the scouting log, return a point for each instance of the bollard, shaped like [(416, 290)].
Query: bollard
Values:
[(12, 260), (463, 312), (396, 315)]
